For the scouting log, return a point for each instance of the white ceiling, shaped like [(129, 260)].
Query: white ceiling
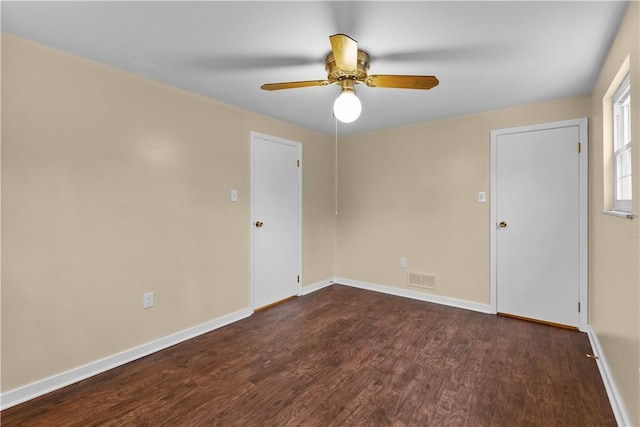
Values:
[(486, 55)]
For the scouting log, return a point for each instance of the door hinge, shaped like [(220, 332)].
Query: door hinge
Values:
[(578, 307), (579, 147), (298, 163), (298, 279)]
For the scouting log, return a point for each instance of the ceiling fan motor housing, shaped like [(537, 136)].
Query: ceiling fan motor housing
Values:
[(335, 74)]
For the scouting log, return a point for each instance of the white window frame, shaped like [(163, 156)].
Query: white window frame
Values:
[(621, 141)]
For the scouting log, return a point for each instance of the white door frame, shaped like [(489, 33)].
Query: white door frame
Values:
[(298, 145), (583, 225)]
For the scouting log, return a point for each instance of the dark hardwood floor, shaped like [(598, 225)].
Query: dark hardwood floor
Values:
[(346, 357)]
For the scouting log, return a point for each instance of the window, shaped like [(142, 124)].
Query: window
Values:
[(622, 147)]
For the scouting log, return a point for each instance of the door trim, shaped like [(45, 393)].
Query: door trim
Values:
[(298, 146), (583, 197)]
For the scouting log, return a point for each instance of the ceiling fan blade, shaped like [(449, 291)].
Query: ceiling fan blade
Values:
[(293, 85), (345, 52), (402, 82)]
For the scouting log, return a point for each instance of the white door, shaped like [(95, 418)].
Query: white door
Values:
[(538, 222), (276, 213)]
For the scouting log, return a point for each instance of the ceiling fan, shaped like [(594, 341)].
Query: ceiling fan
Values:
[(346, 66)]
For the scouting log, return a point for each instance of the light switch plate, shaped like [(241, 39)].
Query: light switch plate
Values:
[(147, 300), (482, 197), (234, 195)]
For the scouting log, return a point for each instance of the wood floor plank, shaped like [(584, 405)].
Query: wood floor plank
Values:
[(346, 357)]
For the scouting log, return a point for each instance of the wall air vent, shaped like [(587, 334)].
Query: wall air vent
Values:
[(415, 279), (422, 280)]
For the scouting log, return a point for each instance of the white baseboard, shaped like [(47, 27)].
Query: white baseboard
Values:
[(407, 293), (617, 405), (316, 286), (55, 382)]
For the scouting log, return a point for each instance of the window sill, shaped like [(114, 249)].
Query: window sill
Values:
[(627, 215)]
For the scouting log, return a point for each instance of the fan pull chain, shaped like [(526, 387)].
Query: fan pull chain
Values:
[(336, 168)]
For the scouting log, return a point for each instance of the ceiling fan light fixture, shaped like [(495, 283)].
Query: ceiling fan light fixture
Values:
[(347, 107), (347, 65)]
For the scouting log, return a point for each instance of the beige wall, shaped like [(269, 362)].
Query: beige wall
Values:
[(615, 242), (114, 185), (412, 192)]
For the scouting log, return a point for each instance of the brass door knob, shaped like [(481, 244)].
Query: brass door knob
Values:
[(502, 224), (259, 224)]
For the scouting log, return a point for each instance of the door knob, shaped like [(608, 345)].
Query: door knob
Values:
[(259, 224), (503, 224)]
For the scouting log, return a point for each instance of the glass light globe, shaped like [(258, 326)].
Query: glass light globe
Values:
[(347, 107)]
